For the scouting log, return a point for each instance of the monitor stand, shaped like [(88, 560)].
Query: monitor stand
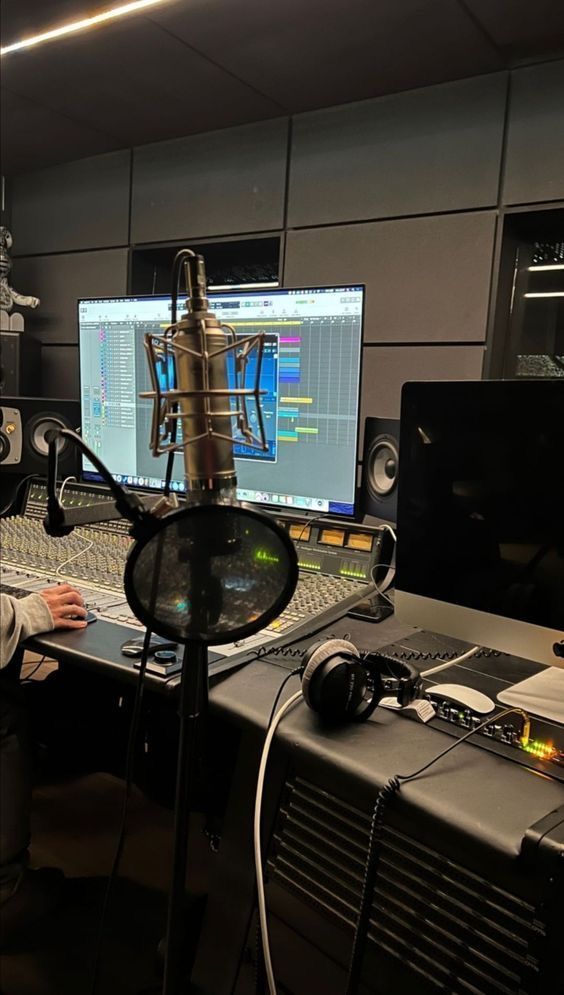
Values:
[(541, 695)]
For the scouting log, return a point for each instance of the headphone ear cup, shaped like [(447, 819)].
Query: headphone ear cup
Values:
[(315, 656), (336, 683)]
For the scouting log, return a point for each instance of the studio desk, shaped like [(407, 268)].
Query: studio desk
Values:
[(470, 885)]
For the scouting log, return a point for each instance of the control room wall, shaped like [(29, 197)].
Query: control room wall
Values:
[(404, 193)]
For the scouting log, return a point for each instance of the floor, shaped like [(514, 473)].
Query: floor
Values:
[(75, 828), (75, 825)]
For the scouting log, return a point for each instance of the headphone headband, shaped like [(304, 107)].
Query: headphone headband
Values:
[(407, 676), (341, 684)]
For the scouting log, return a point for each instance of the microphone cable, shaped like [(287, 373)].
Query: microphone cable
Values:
[(383, 798), (140, 685), (257, 845), (128, 774), (179, 258), (262, 928)]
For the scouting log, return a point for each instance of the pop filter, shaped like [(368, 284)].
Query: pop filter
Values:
[(216, 573)]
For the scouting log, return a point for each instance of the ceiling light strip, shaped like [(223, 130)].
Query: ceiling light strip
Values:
[(544, 268), (558, 293), (82, 25)]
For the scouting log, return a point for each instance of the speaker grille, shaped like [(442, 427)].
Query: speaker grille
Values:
[(458, 931)]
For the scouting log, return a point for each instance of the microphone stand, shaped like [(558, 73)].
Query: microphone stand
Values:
[(192, 709)]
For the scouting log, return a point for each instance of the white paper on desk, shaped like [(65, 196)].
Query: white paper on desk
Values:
[(542, 694)]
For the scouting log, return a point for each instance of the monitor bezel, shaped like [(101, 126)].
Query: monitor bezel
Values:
[(92, 477), (498, 632)]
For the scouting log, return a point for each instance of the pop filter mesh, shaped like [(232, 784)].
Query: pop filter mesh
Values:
[(211, 572)]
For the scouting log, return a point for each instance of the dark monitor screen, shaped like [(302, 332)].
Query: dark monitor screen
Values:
[(311, 373), (481, 513)]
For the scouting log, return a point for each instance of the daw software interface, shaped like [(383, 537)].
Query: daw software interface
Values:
[(311, 374)]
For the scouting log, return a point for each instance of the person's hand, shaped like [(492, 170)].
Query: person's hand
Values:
[(64, 601)]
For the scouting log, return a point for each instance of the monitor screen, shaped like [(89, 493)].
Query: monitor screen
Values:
[(481, 514), (311, 374)]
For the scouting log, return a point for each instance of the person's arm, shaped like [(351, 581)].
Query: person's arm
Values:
[(50, 609)]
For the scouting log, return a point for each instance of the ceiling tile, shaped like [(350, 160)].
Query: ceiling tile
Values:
[(34, 136), (307, 55), (190, 66), (521, 29), (134, 82), (21, 18)]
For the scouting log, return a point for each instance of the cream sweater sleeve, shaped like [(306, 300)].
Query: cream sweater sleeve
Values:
[(20, 618)]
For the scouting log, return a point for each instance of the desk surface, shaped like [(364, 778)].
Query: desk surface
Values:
[(245, 697), (370, 752), (98, 648)]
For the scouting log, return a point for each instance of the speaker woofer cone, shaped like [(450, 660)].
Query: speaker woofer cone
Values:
[(39, 434), (382, 467)]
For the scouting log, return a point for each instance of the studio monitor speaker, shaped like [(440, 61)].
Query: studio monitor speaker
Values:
[(20, 364), (379, 488), (25, 423)]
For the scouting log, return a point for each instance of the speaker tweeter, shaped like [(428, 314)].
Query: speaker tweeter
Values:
[(10, 436)]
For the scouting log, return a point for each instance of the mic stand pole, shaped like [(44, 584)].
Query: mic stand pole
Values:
[(192, 709)]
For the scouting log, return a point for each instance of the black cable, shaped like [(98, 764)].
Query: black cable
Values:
[(293, 673), (311, 521), (137, 705), (383, 798), (136, 712), (369, 879), (129, 770), (6, 508), (29, 677), (176, 271), (259, 972)]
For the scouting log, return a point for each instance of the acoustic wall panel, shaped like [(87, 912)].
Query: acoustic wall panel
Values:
[(534, 168), (218, 183), (419, 152), (77, 205), (60, 280), (427, 279), (387, 368)]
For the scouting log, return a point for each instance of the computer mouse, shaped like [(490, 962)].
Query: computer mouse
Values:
[(88, 618), (464, 696), (134, 647)]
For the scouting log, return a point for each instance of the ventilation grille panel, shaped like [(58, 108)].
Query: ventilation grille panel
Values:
[(465, 935)]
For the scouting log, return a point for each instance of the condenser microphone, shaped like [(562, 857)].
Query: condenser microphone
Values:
[(207, 395), (200, 346), (224, 570), (214, 571)]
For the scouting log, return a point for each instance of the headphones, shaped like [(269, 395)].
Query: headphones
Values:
[(341, 684)]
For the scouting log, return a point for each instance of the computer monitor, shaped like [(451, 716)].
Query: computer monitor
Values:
[(311, 372), (480, 552)]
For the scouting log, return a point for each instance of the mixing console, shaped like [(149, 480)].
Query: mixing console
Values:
[(91, 559), (336, 564)]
